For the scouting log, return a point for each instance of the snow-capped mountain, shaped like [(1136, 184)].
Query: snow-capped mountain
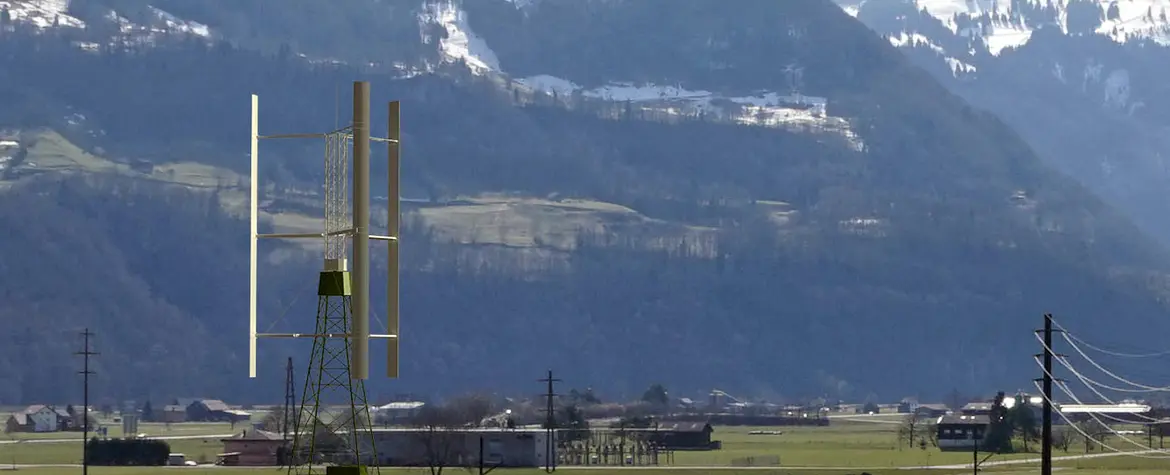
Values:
[(1080, 80), (1089, 69), (40, 13), (788, 107), (994, 25), (46, 14)]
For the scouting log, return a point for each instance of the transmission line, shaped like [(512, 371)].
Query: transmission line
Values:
[(1110, 373), (1110, 352), (1128, 453), (1072, 341), (1089, 381), (1104, 426)]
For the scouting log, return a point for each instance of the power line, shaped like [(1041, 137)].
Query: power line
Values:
[(1110, 373), (1046, 394), (1118, 353), (1128, 453), (1066, 390), (550, 422), (1071, 339), (85, 353)]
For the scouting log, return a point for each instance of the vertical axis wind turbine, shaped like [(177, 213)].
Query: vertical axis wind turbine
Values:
[(339, 362)]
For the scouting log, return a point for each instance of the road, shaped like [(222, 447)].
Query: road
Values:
[(717, 468), (78, 439)]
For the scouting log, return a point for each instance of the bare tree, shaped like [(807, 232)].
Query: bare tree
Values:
[(1097, 433), (1064, 437), (441, 439), (930, 432), (469, 410), (909, 430)]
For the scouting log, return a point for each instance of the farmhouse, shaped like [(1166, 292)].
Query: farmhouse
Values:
[(214, 410), (961, 432), (253, 448), (37, 418)]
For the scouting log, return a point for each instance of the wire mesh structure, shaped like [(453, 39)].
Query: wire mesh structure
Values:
[(337, 209)]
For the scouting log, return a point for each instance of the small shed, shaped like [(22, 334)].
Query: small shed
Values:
[(18, 422), (171, 413), (682, 435)]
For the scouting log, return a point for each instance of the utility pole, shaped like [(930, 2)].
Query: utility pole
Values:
[(1046, 381), (974, 453), (290, 402), (85, 353), (550, 422)]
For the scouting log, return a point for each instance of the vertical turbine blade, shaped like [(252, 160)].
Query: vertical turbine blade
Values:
[(360, 364), (394, 147), (253, 203)]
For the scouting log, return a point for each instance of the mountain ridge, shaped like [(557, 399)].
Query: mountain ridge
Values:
[(927, 247)]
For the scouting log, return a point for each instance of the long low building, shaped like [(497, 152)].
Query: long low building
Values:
[(1136, 413), (1105, 408), (420, 447)]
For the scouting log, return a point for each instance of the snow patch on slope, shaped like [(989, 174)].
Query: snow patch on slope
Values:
[(914, 39), (1137, 19), (174, 23), (771, 109), (910, 40), (1001, 37), (461, 43), (41, 13)]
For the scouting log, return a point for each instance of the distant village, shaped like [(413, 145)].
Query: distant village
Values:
[(515, 433)]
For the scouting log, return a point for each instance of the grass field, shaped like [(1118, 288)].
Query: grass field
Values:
[(148, 428), (845, 447)]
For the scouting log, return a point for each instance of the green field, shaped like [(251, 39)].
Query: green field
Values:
[(847, 447), (148, 428)]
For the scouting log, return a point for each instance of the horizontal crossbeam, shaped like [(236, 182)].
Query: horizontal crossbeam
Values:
[(293, 136), (305, 235), (375, 139), (319, 236), (323, 335), (320, 136)]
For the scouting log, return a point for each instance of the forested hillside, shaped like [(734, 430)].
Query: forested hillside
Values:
[(809, 265)]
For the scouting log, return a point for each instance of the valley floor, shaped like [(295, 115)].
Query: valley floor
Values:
[(849, 446)]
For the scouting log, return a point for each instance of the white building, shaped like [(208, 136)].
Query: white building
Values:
[(397, 413)]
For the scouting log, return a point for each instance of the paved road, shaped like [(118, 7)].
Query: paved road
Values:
[(929, 467), (716, 468), (78, 439)]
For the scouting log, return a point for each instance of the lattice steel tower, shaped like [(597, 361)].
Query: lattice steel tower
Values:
[(332, 422)]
